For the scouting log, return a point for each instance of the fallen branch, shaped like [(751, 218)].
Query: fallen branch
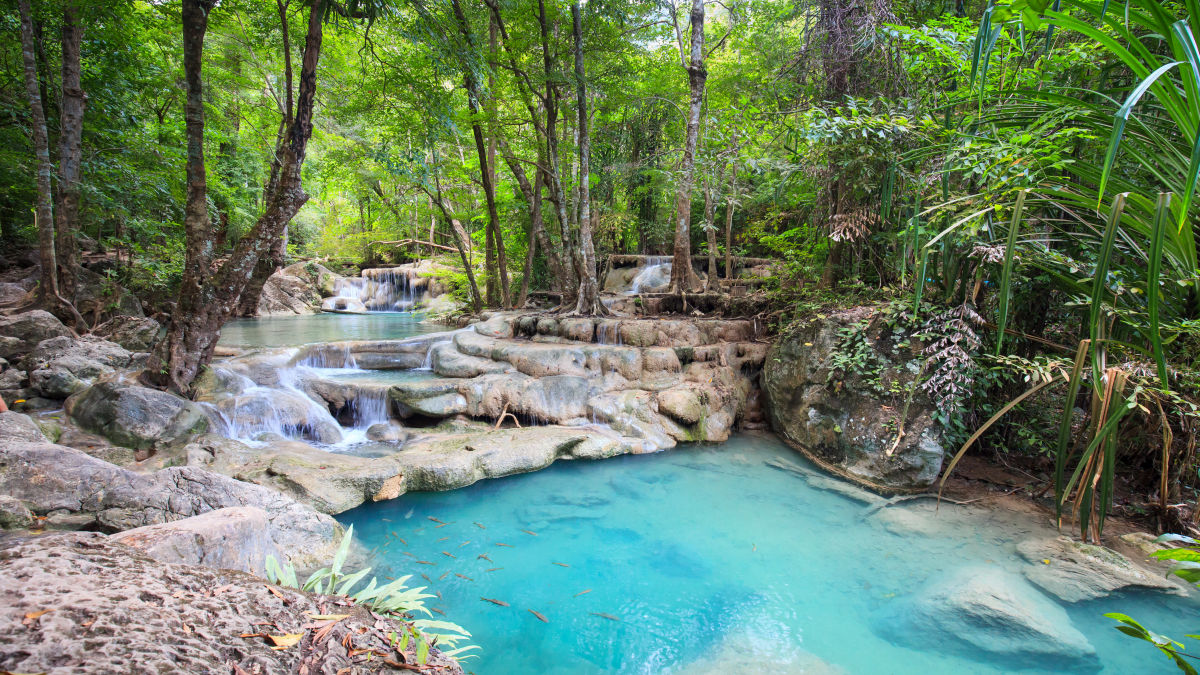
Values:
[(410, 242)]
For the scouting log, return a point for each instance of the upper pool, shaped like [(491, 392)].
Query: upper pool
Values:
[(292, 331), (704, 559)]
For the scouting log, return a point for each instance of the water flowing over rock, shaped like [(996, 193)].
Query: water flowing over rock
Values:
[(986, 611), (848, 421), (114, 607), (385, 289), (136, 417)]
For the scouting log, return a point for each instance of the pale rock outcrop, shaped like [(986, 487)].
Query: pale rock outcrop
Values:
[(136, 417), (22, 332), (61, 366), (233, 538), (1075, 571)]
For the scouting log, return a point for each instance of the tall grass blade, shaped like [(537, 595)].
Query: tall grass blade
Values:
[(1103, 261), (1162, 211), (1121, 117), (1006, 272), (1062, 450)]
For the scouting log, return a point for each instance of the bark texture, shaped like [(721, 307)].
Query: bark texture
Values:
[(588, 302), (70, 142), (48, 288)]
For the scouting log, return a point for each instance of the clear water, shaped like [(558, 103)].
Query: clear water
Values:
[(713, 562), (292, 331)]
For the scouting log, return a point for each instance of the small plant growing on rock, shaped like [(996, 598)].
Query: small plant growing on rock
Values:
[(395, 599)]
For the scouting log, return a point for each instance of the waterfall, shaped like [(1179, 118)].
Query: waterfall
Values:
[(385, 289), (655, 275)]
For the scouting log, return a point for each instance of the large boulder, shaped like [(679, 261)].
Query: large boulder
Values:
[(22, 332), (329, 482), (987, 612), (136, 417), (135, 333), (113, 609), (61, 366), (234, 538), (99, 297), (1076, 571), (76, 491), (846, 420)]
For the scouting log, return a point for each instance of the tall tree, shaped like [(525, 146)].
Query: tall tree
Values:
[(588, 302), (206, 302), (70, 140), (48, 288), (682, 276)]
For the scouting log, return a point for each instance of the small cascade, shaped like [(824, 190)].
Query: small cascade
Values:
[(370, 407), (609, 333), (332, 355), (654, 276), (384, 289)]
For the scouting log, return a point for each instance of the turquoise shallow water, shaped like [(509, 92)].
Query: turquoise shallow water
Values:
[(292, 331), (713, 563)]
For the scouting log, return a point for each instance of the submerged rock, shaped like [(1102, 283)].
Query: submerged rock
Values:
[(1075, 571), (841, 419), (116, 610), (987, 612), (136, 417)]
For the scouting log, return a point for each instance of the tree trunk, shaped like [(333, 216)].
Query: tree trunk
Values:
[(205, 303), (729, 203), (538, 237), (682, 276), (461, 241), (48, 288), (70, 151), (588, 302), (569, 283), (710, 232)]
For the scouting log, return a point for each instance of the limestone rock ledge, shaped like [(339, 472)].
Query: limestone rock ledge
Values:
[(83, 603)]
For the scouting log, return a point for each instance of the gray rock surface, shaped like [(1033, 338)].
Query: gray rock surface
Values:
[(328, 482), (136, 417), (25, 330), (114, 610), (81, 491), (234, 538), (1075, 571), (61, 366), (986, 611), (840, 419), (135, 333)]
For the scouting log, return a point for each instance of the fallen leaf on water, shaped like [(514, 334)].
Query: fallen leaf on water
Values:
[(562, 564), (495, 602), (582, 592), (532, 534), (602, 615), (538, 615), (286, 640)]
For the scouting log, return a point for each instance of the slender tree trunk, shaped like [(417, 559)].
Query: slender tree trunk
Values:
[(729, 203), (588, 302), (70, 150), (461, 241), (205, 303), (48, 288), (710, 232), (569, 284), (538, 237), (682, 277)]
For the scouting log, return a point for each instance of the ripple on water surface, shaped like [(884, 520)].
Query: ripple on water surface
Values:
[(705, 560)]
